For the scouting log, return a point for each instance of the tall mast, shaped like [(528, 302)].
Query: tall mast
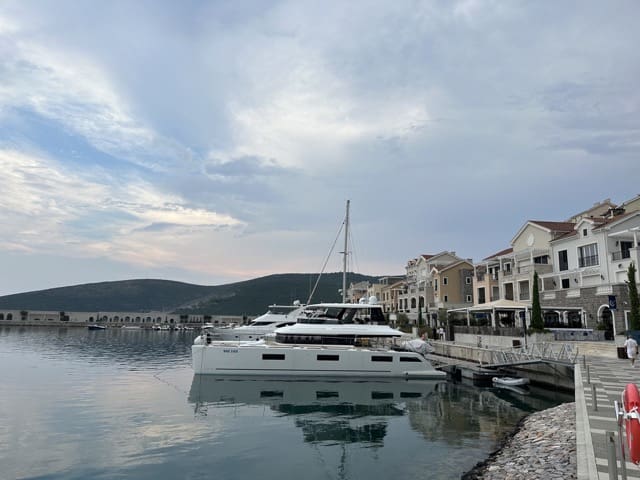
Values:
[(345, 253)]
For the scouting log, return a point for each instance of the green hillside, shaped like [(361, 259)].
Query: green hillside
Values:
[(250, 297)]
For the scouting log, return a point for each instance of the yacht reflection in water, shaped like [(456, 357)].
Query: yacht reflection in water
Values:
[(345, 411)]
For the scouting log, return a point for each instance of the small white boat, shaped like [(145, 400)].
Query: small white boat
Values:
[(510, 381), (277, 316)]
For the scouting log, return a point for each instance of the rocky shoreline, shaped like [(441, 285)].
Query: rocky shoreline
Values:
[(543, 447)]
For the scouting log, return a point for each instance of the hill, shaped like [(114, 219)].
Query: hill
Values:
[(250, 297)]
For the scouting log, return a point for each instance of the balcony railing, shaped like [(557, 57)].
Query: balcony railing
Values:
[(507, 273), (589, 261), (621, 255)]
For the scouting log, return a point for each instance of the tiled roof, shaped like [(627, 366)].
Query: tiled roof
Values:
[(565, 235), (455, 264), (606, 221), (500, 253), (555, 226)]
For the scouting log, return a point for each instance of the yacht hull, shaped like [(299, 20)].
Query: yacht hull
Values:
[(233, 358)]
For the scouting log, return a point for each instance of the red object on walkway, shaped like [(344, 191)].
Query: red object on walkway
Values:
[(631, 401)]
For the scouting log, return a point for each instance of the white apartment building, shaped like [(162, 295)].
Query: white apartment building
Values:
[(590, 266)]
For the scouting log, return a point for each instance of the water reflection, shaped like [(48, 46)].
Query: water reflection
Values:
[(350, 411), (325, 410)]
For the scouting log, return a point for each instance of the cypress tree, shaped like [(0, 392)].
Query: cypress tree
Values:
[(537, 324), (634, 321)]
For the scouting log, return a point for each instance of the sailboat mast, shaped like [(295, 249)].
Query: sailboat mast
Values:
[(345, 253)]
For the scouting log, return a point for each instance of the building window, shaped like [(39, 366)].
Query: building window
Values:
[(588, 255), (524, 290), (563, 261), (468, 298), (584, 232), (543, 259), (435, 284), (481, 295), (566, 283), (445, 281), (446, 298), (468, 280), (507, 267)]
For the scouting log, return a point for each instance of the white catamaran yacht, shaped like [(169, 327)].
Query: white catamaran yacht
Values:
[(277, 316), (328, 339), (333, 339)]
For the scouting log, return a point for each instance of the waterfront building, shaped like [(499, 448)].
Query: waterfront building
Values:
[(591, 265), (419, 293), (452, 285), (357, 290), (486, 287), (580, 263), (113, 319), (386, 291)]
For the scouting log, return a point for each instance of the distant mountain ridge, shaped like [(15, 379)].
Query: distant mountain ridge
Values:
[(250, 297)]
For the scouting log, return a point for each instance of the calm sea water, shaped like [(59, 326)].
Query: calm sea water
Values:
[(114, 404)]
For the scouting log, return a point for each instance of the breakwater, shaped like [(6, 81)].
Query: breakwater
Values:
[(543, 447)]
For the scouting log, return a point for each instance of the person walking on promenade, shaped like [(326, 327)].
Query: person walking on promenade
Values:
[(632, 349)]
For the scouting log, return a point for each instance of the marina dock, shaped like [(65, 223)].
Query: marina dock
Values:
[(602, 373), (599, 371)]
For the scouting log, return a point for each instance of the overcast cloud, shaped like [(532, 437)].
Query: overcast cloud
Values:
[(212, 142)]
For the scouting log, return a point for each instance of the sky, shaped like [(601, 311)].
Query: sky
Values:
[(217, 141)]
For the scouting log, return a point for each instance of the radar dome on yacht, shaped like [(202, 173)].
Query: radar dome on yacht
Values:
[(373, 300), (296, 303), (362, 301)]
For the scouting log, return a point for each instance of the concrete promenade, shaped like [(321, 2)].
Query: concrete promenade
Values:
[(600, 368)]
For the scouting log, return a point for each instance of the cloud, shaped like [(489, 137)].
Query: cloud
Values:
[(51, 209), (72, 89), (213, 128)]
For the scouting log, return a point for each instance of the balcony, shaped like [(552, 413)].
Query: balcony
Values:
[(541, 268), (604, 290), (621, 255), (589, 261), (573, 293)]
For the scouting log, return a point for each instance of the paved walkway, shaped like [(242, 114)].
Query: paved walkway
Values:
[(609, 375)]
